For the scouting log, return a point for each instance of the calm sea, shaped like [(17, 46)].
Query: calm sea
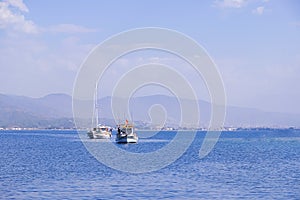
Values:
[(243, 164)]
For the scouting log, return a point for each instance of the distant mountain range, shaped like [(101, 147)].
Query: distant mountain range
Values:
[(55, 111), (50, 111)]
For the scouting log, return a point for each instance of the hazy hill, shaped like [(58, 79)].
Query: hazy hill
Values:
[(49, 111), (55, 110)]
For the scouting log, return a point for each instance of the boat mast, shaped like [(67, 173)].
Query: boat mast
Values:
[(95, 109), (96, 105)]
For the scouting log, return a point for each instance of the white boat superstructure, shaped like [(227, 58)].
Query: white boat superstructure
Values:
[(126, 134), (101, 132)]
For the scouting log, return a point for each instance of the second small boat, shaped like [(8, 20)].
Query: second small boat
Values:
[(126, 134), (101, 132)]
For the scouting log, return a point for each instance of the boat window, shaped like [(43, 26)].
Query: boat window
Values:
[(129, 130)]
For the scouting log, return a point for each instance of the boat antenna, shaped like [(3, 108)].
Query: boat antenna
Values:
[(131, 117), (118, 119)]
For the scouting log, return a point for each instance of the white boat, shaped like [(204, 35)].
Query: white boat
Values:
[(126, 134), (100, 131)]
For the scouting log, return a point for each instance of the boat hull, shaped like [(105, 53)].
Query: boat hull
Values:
[(99, 135), (127, 139)]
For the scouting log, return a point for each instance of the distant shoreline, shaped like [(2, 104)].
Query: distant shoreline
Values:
[(173, 129)]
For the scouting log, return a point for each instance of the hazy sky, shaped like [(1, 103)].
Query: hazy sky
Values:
[(254, 43)]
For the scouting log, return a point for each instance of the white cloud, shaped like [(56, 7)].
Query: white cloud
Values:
[(18, 4), (225, 4), (230, 3), (69, 28), (11, 17), (31, 66), (259, 10), (259, 83)]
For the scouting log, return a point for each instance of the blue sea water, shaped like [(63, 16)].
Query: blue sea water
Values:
[(244, 164)]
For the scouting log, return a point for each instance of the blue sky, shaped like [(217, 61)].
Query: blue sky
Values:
[(254, 43)]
